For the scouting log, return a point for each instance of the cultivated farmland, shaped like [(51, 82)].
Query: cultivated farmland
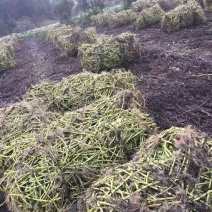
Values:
[(116, 116)]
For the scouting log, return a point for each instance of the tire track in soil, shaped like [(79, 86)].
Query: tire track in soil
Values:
[(36, 60)]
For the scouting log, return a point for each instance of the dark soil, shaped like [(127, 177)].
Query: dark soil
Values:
[(176, 77), (3, 208), (175, 74), (36, 60)]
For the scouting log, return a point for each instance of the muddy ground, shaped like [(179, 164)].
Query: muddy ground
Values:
[(175, 73)]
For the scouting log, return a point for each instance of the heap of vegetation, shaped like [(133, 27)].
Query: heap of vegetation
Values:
[(119, 19), (140, 5), (7, 45), (47, 160), (22, 118), (122, 18), (68, 38), (133, 15), (151, 14), (172, 172), (148, 17), (183, 16), (110, 52), (101, 19), (79, 90), (112, 19)]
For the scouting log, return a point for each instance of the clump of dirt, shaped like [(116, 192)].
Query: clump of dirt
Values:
[(38, 146), (79, 90), (172, 172)]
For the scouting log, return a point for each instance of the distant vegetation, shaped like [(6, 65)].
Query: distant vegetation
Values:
[(64, 8), (21, 15), (172, 14)]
